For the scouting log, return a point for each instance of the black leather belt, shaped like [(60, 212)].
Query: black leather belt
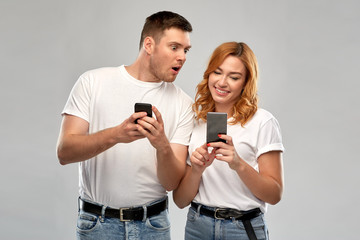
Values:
[(228, 213), (125, 214)]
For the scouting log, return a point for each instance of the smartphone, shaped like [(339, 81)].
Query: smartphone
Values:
[(143, 107), (216, 124)]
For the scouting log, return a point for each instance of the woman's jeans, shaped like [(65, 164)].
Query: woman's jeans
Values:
[(91, 226), (203, 227)]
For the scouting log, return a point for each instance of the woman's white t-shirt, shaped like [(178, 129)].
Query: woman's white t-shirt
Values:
[(220, 185)]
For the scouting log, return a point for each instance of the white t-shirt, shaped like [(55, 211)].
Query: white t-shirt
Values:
[(221, 186), (125, 175)]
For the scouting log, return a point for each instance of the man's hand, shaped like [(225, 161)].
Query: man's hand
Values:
[(153, 129), (128, 131)]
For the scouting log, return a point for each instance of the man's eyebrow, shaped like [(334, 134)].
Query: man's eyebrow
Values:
[(179, 44)]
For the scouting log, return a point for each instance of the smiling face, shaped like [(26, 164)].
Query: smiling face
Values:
[(169, 54), (226, 84)]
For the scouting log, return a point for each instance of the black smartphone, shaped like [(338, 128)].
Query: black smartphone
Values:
[(143, 107), (216, 124)]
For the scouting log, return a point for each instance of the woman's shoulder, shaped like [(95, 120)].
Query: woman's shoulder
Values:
[(261, 117), (262, 113)]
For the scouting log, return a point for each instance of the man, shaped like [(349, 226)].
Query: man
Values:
[(126, 167)]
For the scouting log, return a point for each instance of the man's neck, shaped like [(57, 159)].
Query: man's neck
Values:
[(140, 69)]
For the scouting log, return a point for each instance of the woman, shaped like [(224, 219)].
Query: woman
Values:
[(229, 184)]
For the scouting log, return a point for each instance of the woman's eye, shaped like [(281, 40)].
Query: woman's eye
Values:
[(217, 73), (235, 78)]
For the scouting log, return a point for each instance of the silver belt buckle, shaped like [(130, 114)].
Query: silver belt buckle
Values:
[(215, 214), (122, 215)]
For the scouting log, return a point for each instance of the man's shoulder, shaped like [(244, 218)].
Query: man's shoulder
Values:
[(102, 71)]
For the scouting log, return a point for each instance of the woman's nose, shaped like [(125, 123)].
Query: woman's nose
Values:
[(222, 81)]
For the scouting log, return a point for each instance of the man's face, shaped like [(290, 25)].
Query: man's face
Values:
[(169, 55)]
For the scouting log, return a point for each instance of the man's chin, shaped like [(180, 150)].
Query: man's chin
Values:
[(170, 79)]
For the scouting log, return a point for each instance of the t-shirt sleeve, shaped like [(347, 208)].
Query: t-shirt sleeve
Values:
[(79, 100), (269, 138), (185, 125)]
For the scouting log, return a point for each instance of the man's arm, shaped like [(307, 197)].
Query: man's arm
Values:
[(75, 144), (171, 158), (171, 165)]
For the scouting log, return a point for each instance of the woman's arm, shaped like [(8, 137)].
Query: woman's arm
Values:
[(187, 188), (189, 185), (267, 184)]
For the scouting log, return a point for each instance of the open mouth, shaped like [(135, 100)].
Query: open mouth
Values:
[(176, 69)]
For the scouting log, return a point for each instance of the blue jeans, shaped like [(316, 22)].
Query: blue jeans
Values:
[(94, 227), (203, 227)]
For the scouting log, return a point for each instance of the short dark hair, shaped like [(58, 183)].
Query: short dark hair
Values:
[(157, 23)]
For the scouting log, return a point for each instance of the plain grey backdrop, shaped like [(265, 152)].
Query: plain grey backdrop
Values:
[(308, 53)]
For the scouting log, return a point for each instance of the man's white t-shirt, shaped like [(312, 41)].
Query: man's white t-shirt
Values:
[(221, 186), (125, 175)]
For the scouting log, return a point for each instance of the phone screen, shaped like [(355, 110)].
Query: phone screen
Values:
[(143, 107), (216, 124)]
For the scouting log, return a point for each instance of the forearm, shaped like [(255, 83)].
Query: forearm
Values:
[(262, 186), (187, 189), (77, 147), (170, 169)]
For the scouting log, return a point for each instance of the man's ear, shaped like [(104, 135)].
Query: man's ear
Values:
[(149, 44)]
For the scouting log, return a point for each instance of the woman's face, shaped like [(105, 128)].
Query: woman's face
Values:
[(226, 84)]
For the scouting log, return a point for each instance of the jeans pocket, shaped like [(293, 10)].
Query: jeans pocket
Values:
[(191, 216), (159, 222), (259, 226), (86, 221)]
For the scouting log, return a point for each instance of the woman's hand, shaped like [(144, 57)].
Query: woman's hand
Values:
[(201, 158), (226, 152)]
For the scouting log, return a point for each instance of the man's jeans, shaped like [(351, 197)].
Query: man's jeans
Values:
[(91, 226)]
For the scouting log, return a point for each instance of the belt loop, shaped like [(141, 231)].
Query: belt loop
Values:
[(79, 199), (145, 213), (198, 210), (102, 216)]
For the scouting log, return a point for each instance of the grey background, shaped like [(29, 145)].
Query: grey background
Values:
[(308, 56)]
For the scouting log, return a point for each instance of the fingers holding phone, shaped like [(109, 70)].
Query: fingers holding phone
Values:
[(152, 128), (143, 107), (226, 152), (201, 158)]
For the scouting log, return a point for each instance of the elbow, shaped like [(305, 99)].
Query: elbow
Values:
[(62, 156), (179, 202), (62, 162), (170, 187), (275, 199), (169, 184)]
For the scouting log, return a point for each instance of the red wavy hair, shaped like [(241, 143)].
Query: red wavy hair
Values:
[(246, 106)]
